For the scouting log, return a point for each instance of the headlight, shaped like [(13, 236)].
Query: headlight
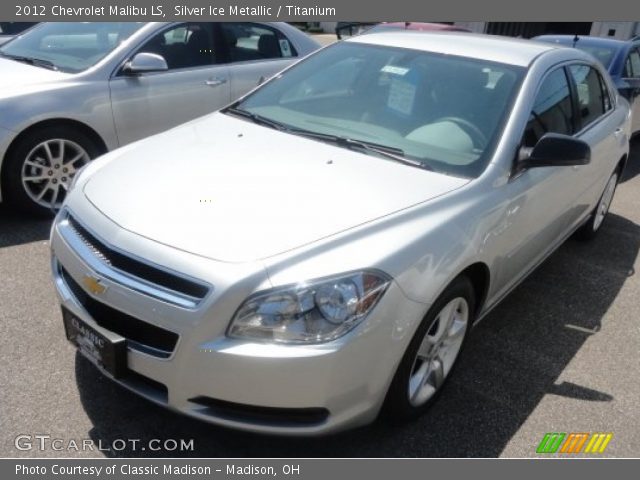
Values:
[(313, 312)]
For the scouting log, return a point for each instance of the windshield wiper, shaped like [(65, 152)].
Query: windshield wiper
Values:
[(255, 118), (392, 153), (36, 62)]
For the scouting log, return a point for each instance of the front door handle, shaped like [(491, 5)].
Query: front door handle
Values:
[(215, 81)]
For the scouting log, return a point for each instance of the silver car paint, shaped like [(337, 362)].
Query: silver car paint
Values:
[(121, 109), (508, 223), (217, 192)]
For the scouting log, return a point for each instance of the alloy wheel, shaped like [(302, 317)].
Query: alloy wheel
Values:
[(438, 351), (49, 168)]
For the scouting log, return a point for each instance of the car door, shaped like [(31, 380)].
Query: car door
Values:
[(631, 77), (255, 52), (603, 132), (195, 83), (541, 206)]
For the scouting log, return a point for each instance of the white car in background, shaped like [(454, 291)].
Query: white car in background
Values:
[(72, 91)]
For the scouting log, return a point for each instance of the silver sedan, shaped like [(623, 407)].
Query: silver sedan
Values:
[(71, 91), (328, 240)]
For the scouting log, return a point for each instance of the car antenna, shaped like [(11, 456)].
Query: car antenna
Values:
[(576, 39)]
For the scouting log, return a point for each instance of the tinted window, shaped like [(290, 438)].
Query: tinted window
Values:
[(442, 110), (592, 100), (552, 111), (186, 46), (633, 65), (249, 41)]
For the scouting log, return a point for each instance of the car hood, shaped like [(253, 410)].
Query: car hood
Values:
[(17, 75), (230, 190)]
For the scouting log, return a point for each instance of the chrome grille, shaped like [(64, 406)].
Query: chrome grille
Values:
[(98, 253), (134, 273)]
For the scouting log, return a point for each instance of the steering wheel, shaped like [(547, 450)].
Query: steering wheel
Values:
[(478, 138)]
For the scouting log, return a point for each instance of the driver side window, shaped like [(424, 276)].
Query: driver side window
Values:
[(552, 110)]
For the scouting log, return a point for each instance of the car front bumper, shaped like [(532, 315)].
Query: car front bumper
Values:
[(260, 387)]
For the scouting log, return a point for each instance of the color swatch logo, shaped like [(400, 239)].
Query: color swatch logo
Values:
[(574, 443)]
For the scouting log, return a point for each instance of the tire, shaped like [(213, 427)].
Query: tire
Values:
[(405, 399), (42, 164), (593, 225)]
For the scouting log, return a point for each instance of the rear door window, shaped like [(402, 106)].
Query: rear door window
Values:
[(188, 45), (251, 41)]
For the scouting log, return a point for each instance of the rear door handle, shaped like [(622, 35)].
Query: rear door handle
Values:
[(215, 81)]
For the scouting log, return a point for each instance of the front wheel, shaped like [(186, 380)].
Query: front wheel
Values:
[(432, 353), (40, 167), (592, 226)]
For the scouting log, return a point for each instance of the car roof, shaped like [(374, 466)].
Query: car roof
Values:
[(584, 39), (488, 47), (421, 26)]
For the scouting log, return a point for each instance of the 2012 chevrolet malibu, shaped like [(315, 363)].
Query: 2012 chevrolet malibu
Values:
[(72, 91), (316, 253)]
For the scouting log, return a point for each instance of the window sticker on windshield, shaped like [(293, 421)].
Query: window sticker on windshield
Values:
[(285, 48), (394, 70), (401, 96)]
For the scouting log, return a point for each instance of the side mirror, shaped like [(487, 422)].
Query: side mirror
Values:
[(144, 62), (555, 150)]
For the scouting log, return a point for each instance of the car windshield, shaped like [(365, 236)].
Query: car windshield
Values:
[(439, 112), (68, 46)]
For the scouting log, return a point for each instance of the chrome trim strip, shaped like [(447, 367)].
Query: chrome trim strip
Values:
[(70, 236)]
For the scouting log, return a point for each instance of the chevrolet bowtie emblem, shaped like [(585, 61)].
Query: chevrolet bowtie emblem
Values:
[(94, 285)]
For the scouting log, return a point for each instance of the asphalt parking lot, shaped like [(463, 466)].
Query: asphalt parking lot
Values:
[(560, 354)]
